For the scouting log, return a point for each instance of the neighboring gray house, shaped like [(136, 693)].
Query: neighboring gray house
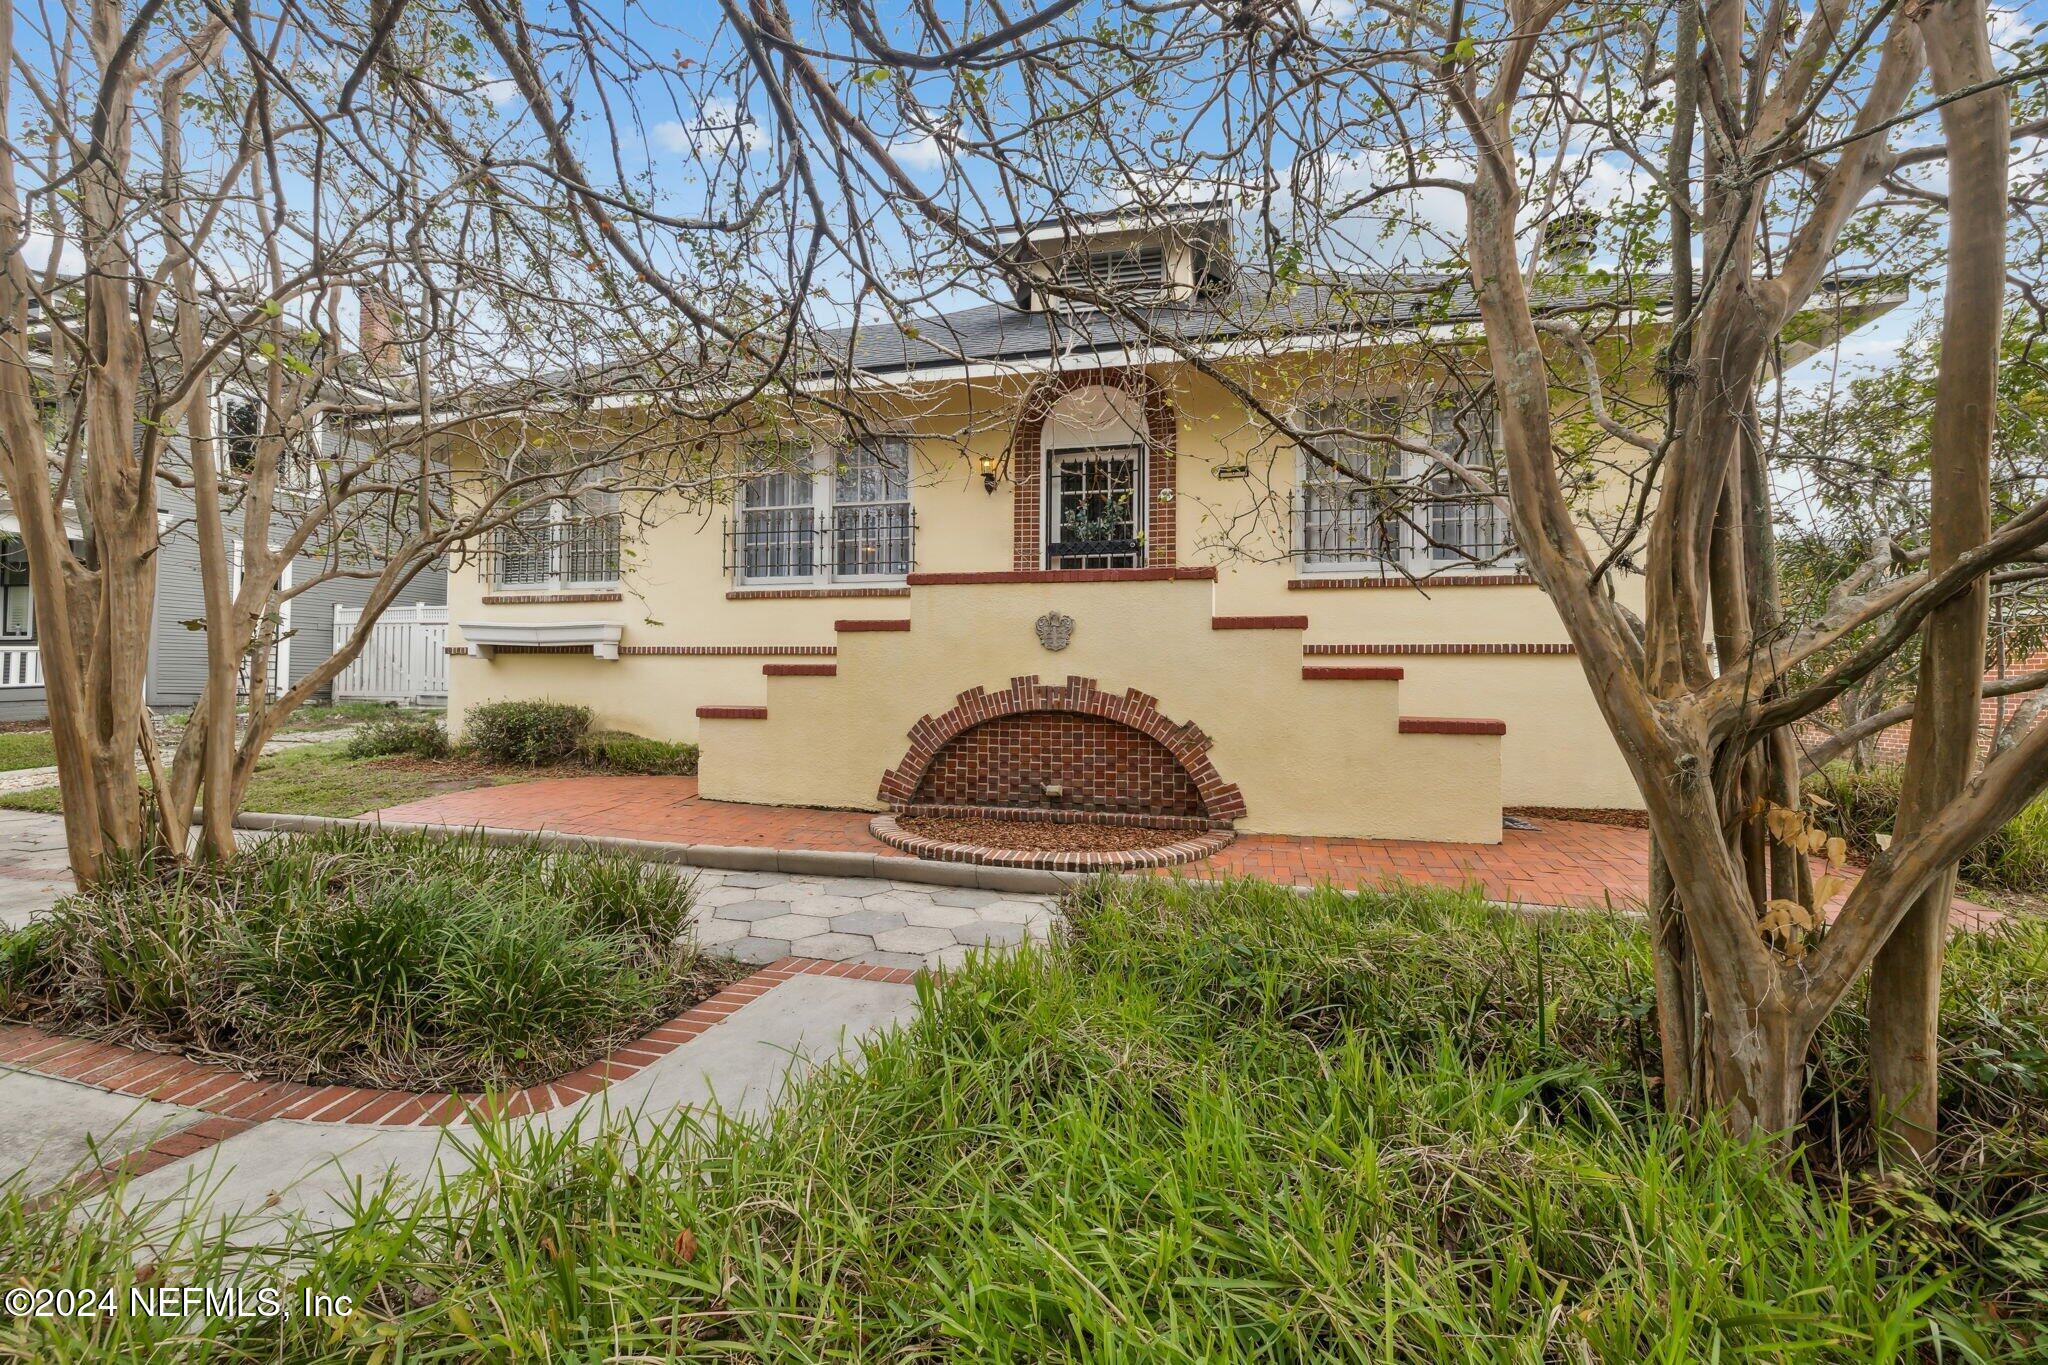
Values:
[(177, 653)]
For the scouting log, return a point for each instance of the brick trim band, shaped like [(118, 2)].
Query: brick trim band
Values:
[(1187, 573), (732, 713), (1454, 580), (1187, 743), (1055, 816), (1451, 725), (805, 594), (1368, 674), (524, 649), (520, 599), (799, 670), (730, 651), (238, 1102), (1258, 623), (1424, 650), (850, 627)]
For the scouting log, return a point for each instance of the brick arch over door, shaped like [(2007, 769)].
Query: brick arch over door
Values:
[(1077, 698), (1027, 461)]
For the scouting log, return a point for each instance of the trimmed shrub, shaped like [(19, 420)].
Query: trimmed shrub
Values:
[(1866, 806), (625, 753), (420, 736), (532, 733)]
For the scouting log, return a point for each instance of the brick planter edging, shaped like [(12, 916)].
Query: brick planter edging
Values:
[(235, 1101), (1195, 846)]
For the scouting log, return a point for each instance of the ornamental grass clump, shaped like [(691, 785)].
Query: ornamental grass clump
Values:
[(367, 958)]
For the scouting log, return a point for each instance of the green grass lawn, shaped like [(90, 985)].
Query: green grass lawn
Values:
[(1209, 1125), (320, 779), (25, 749)]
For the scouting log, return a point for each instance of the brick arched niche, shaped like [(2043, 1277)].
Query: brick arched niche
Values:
[(1106, 753), (1026, 458)]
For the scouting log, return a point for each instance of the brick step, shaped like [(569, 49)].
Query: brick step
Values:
[(857, 625), (1258, 623), (800, 670), (1451, 725), (1354, 674), (732, 713)]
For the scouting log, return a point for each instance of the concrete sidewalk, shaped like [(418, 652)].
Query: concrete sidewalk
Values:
[(310, 1173)]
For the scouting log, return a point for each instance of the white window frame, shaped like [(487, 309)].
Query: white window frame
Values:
[(1122, 427), (559, 514), (24, 592), (822, 464), (1311, 471), (1415, 555)]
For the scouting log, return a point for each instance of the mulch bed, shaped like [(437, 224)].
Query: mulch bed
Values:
[(1585, 815), (1038, 836)]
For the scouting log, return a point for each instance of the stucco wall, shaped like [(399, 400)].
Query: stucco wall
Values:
[(1309, 757), (675, 593)]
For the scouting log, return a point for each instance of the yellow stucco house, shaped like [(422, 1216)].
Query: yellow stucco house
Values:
[(1065, 571)]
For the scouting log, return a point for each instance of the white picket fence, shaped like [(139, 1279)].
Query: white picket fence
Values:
[(405, 659)]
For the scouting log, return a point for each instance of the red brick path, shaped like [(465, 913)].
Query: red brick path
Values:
[(1564, 863)]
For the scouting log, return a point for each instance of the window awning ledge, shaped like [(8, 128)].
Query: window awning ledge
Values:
[(485, 638)]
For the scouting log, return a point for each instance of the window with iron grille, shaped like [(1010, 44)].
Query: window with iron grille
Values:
[(871, 510), (1459, 522), (557, 542), (778, 531), (1095, 496), (1348, 513)]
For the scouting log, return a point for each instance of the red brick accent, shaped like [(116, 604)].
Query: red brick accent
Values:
[(1184, 573), (734, 651), (850, 627), (1451, 725), (1258, 623), (763, 594), (517, 599), (1026, 460), (239, 1102), (1196, 846), (1448, 580), (732, 713), (1351, 674), (1098, 765), (1056, 705), (800, 670), (1440, 649)]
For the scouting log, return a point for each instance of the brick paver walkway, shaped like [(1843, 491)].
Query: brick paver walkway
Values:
[(1562, 863)]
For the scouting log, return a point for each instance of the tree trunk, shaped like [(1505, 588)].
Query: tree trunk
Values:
[(1905, 987)]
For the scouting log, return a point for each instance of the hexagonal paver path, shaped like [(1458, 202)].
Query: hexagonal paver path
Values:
[(761, 916)]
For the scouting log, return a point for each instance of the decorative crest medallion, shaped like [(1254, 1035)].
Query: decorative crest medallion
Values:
[(1055, 630)]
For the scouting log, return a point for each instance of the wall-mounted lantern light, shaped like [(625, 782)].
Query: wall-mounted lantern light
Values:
[(988, 473)]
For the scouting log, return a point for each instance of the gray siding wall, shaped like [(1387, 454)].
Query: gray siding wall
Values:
[(177, 655)]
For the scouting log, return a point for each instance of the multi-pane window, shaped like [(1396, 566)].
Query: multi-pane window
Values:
[(1095, 498), (871, 510), (841, 515), (1461, 522), (17, 609), (778, 530), (1349, 513), (558, 541)]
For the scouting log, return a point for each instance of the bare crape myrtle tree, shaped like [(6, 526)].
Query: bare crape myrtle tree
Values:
[(1699, 191), (315, 281)]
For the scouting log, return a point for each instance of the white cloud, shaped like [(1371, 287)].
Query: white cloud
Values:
[(2011, 26), (720, 127), (922, 153), (501, 91)]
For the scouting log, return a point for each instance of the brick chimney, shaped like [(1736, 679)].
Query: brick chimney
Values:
[(377, 330)]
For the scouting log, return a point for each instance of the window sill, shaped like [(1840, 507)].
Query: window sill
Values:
[(486, 638)]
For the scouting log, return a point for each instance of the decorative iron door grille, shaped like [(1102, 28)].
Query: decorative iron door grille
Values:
[(1096, 501)]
